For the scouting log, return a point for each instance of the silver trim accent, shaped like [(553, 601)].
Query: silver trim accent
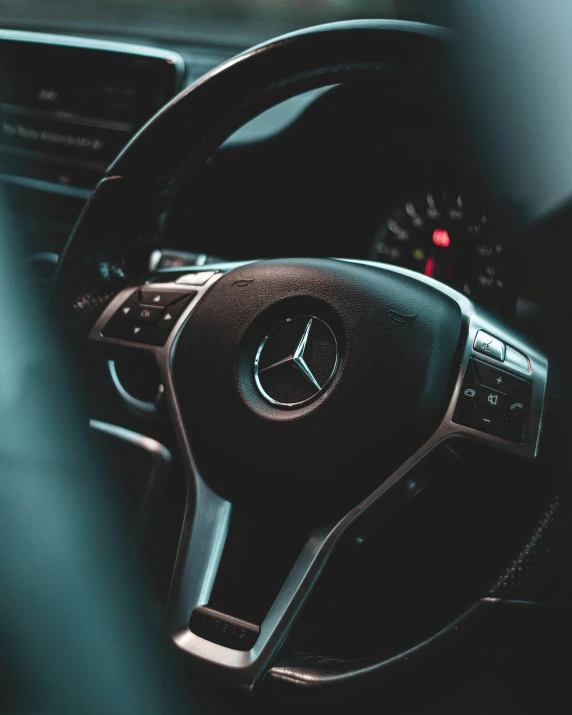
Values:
[(161, 464), (297, 359), (42, 257), (194, 260), (207, 515), (154, 260), (195, 279), (139, 406), (125, 48)]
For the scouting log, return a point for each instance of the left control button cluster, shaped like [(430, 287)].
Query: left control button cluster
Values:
[(148, 315)]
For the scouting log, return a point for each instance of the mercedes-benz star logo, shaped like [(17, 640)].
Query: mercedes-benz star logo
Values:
[(296, 361)]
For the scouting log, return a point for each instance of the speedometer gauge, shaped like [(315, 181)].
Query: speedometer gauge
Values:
[(446, 235)]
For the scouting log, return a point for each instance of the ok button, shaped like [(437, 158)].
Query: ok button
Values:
[(492, 400), (145, 314)]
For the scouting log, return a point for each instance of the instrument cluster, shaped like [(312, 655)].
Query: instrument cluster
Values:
[(446, 234)]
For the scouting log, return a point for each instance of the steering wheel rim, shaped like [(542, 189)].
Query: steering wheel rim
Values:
[(145, 174), (146, 177)]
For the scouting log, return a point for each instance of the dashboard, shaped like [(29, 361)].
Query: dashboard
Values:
[(361, 172)]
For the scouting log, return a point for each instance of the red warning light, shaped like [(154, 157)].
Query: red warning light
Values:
[(430, 266), (441, 238)]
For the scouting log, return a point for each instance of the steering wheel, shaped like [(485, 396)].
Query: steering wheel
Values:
[(310, 389)]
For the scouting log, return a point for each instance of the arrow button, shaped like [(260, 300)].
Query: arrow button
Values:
[(171, 315), (151, 296)]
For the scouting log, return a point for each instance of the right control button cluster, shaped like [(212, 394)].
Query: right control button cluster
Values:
[(493, 401)]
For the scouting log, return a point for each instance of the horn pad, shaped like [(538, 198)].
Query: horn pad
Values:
[(313, 371)]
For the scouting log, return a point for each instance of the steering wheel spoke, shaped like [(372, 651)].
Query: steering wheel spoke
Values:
[(241, 650)]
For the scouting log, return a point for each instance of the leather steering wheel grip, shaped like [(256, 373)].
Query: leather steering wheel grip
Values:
[(100, 256)]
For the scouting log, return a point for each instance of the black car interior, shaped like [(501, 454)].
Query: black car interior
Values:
[(289, 423)]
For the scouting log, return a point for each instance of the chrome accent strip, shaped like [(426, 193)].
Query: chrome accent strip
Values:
[(161, 463), (223, 267), (200, 556), (298, 358), (149, 444), (207, 515), (195, 278), (43, 257), (147, 408), (154, 259)]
